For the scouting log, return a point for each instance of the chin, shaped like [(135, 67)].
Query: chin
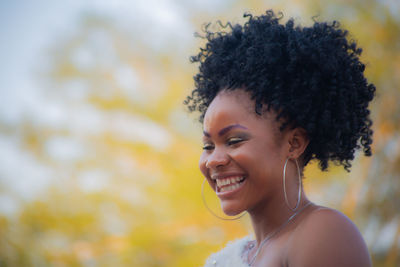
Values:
[(231, 210)]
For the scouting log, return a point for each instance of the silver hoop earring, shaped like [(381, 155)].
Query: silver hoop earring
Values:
[(215, 215), (284, 185)]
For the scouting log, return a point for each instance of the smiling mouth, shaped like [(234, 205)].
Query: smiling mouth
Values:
[(229, 183)]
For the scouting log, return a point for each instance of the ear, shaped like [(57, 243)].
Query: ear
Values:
[(298, 142)]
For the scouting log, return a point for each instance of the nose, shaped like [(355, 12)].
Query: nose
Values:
[(217, 158)]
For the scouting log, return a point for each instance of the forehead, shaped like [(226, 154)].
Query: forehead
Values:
[(236, 107), (226, 103)]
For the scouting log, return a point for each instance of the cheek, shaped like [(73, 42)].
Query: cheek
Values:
[(246, 159), (259, 160), (202, 165)]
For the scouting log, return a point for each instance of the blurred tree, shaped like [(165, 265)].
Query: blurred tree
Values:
[(126, 185)]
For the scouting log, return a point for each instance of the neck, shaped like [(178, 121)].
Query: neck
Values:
[(267, 218)]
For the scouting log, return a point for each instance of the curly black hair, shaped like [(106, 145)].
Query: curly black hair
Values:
[(311, 76)]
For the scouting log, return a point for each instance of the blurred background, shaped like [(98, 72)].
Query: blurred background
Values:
[(98, 156)]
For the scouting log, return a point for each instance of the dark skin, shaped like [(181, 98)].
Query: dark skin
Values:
[(240, 144)]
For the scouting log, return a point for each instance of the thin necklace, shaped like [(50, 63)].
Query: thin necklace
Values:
[(274, 233)]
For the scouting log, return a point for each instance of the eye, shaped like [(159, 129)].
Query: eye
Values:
[(234, 140), (208, 147)]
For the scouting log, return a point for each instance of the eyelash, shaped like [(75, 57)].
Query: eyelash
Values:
[(230, 142), (234, 141), (207, 147)]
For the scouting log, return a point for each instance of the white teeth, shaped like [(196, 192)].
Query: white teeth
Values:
[(228, 183), (230, 187)]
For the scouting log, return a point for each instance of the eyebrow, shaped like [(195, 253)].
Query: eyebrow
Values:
[(226, 129)]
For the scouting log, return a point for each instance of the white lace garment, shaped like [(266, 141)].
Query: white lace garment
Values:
[(231, 255)]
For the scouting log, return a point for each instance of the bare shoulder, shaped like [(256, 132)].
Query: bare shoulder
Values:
[(326, 237)]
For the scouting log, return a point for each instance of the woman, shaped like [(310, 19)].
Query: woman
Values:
[(273, 97)]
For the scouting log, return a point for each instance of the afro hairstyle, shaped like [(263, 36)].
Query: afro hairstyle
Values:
[(311, 76)]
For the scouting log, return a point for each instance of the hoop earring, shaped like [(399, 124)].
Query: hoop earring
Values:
[(284, 185), (215, 215)]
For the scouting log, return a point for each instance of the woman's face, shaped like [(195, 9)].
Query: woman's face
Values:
[(243, 154)]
